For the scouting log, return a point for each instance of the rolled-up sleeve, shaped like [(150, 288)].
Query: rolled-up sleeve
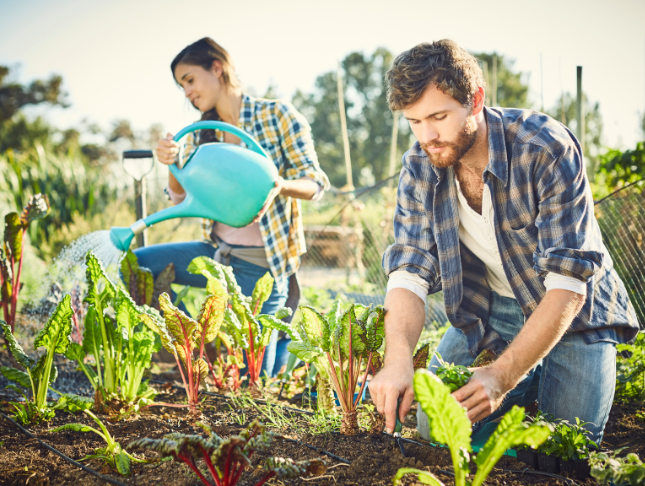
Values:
[(565, 219), (298, 147), (414, 249)]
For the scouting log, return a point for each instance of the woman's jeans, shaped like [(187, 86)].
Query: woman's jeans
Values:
[(157, 257), (575, 379)]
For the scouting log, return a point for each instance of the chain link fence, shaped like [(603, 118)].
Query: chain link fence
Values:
[(348, 232)]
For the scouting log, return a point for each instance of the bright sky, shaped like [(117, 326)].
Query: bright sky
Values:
[(115, 55)]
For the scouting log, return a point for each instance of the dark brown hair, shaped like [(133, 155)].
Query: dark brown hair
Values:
[(443, 64), (203, 53)]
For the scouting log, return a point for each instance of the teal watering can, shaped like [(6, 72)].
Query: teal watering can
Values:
[(223, 182)]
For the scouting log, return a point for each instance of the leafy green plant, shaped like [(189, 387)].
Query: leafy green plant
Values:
[(140, 283), (452, 375), (54, 337), (619, 471), (114, 337), (449, 425), (630, 370), (340, 344), (567, 441), (113, 454), (11, 254), (181, 335), (249, 330), (227, 459)]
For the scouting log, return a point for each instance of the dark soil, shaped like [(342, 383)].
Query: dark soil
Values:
[(375, 458)]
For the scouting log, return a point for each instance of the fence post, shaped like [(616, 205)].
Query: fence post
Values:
[(395, 135), (580, 115), (343, 127), (140, 209)]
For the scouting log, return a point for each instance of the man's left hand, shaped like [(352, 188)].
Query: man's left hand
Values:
[(483, 393)]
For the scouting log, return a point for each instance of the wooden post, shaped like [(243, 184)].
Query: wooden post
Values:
[(487, 80), (580, 115), (493, 88), (343, 127), (541, 85), (393, 144)]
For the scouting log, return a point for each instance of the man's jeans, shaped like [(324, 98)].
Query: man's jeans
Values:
[(576, 379), (157, 257)]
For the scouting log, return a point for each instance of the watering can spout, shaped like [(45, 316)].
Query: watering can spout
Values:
[(121, 237)]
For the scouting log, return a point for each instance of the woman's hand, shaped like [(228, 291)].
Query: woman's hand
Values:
[(279, 183), (167, 150)]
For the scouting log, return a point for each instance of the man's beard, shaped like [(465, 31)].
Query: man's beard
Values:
[(455, 150)]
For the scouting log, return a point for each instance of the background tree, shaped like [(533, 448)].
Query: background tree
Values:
[(512, 91), (564, 111)]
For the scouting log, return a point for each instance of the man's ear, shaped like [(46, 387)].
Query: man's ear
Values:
[(478, 100), (217, 67)]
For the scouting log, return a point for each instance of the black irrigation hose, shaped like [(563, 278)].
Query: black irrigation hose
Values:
[(333, 456), (68, 459)]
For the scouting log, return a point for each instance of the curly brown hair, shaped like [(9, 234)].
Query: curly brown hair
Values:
[(443, 64)]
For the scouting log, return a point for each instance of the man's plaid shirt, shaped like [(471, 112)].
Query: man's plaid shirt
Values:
[(544, 222), (286, 136)]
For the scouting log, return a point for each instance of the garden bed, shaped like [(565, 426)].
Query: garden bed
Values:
[(373, 458)]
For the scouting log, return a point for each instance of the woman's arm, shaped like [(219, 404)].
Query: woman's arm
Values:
[(303, 188)]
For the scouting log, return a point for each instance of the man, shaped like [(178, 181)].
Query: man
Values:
[(494, 208)]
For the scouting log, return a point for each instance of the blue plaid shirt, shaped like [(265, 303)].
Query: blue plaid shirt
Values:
[(544, 222)]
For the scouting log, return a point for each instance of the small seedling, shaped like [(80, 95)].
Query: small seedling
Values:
[(113, 454), (454, 376), (226, 459), (611, 469)]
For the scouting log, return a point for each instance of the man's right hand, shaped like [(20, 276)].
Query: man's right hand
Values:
[(167, 150), (391, 384)]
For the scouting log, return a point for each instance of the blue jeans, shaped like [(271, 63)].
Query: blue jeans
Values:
[(157, 257), (575, 379)]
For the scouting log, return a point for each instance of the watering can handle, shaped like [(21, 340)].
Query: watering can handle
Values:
[(250, 142)]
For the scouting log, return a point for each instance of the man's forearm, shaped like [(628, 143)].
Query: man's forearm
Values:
[(404, 318), (540, 334)]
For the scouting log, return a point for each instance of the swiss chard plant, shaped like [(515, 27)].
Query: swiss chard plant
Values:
[(620, 471), (341, 345), (250, 330), (12, 255), (181, 335), (140, 283), (449, 425), (39, 374), (226, 459), (112, 454), (114, 337), (452, 375)]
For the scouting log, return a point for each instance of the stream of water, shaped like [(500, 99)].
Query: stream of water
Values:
[(66, 273)]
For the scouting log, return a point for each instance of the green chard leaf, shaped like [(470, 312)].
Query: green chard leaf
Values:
[(122, 463), (375, 329), (420, 360), (315, 327), (145, 286), (37, 372), (129, 267), (511, 432), (156, 324), (211, 317), (70, 402), (233, 328), (15, 348), (261, 293), (18, 376), (283, 312), (448, 421), (162, 283), (181, 327), (127, 313), (13, 230), (143, 345), (92, 340), (268, 321), (424, 477), (7, 277), (334, 315), (94, 274), (305, 352), (55, 335), (343, 339), (37, 208)]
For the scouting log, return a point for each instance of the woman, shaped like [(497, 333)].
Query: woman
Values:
[(275, 240)]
